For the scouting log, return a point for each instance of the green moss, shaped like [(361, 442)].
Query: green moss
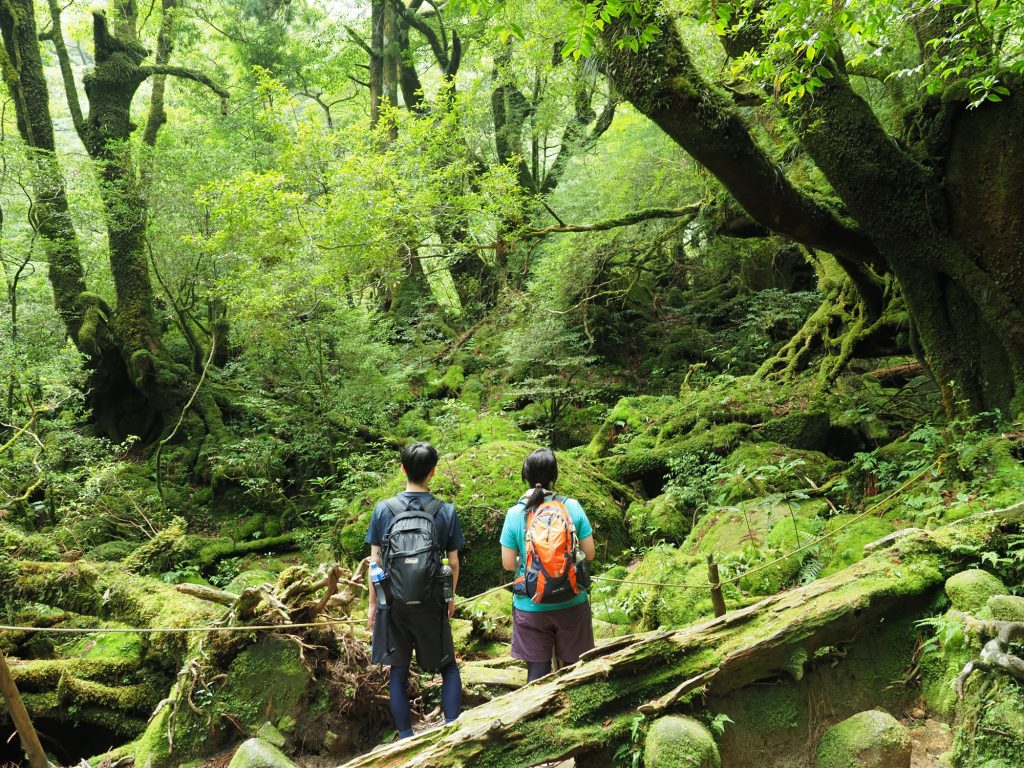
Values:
[(653, 606), (152, 747), (751, 470), (640, 460), (161, 553), (847, 547), (259, 753), (1006, 607), (71, 586), (145, 602), (680, 742), (730, 529), (248, 698), (871, 739), (970, 590), (111, 551), (250, 578), (806, 430), (628, 418), (42, 675), (27, 546), (770, 708), (138, 699), (661, 518)]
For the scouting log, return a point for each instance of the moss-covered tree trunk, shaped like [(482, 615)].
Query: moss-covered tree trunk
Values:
[(85, 314), (950, 235), (961, 270)]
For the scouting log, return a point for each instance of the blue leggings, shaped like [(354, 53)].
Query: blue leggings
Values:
[(451, 697)]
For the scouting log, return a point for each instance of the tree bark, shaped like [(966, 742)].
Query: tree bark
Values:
[(958, 264), (85, 315), (970, 326), (588, 707)]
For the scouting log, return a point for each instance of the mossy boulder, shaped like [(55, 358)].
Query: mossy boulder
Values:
[(680, 742), (111, 551), (731, 529), (145, 602), (806, 430), (872, 739), (662, 517), (970, 590), (846, 547), (630, 417), (755, 469), (654, 606), (1006, 607), (259, 753), (483, 482), (448, 384)]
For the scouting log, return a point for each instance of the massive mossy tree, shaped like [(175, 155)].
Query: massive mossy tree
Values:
[(136, 388), (930, 196)]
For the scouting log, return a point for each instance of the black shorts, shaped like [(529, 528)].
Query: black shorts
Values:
[(399, 629)]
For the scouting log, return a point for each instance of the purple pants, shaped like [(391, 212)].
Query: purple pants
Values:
[(567, 631)]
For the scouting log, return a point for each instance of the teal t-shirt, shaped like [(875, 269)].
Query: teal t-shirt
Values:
[(513, 536)]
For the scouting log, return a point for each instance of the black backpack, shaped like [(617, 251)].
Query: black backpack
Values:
[(411, 554)]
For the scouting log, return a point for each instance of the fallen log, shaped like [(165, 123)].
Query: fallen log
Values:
[(588, 707)]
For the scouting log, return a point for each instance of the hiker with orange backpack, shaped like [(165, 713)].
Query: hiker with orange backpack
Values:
[(547, 540)]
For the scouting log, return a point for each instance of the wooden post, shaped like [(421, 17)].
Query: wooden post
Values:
[(19, 715), (717, 599)]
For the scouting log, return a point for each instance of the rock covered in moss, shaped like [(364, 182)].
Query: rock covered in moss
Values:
[(755, 469), (660, 518), (259, 753), (1006, 607), (970, 590), (807, 430), (680, 742), (872, 739), (654, 607), (270, 734)]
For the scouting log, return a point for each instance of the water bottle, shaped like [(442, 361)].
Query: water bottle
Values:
[(377, 579), (580, 564), (447, 583)]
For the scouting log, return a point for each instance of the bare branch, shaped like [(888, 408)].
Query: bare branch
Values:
[(188, 74), (636, 217)]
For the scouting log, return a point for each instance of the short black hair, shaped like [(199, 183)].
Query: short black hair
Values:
[(418, 459)]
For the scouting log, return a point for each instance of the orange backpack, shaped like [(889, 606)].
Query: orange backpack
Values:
[(551, 555)]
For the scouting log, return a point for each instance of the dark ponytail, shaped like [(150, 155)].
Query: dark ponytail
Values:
[(540, 471)]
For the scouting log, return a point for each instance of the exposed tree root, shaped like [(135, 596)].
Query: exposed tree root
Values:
[(836, 331), (995, 654)]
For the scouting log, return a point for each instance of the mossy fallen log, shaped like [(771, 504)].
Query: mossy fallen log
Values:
[(586, 708), (40, 675), (139, 698), (50, 707)]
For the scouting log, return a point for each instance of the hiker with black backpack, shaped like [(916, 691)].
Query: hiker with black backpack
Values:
[(547, 540), (410, 536)]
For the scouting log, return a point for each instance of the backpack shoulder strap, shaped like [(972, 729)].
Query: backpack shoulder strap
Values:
[(397, 505), (433, 506)]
